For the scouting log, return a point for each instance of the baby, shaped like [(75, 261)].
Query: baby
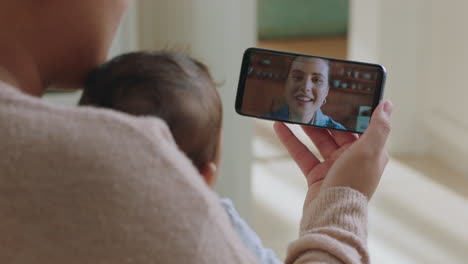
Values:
[(179, 90)]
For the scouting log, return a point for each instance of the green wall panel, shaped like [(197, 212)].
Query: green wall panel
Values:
[(302, 18)]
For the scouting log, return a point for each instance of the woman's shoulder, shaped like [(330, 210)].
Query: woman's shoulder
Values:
[(281, 113), (323, 120), (92, 133)]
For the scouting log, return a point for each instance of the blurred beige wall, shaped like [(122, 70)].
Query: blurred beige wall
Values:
[(423, 44)]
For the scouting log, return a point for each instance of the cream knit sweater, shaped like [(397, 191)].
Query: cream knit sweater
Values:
[(81, 185)]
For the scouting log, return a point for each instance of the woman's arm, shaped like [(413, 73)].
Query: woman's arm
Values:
[(333, 229)]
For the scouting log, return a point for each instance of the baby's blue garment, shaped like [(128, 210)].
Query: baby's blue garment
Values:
[(248, 236)]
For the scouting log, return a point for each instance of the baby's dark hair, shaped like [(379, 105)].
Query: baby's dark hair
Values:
[(169, 85)]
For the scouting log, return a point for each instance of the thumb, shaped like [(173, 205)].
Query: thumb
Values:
[(380, 125)]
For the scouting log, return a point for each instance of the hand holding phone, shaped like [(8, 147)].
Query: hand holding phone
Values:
[(309, 90), (348, 160)]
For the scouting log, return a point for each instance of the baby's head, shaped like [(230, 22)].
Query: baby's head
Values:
[(172, 86)]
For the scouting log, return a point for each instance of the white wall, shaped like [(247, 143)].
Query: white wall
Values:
[(127, 37), (446, 114), (423, 45), (364, 30), (216, 32), (385, 32)]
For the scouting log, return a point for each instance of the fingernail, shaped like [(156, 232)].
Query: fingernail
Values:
[(388, 108)]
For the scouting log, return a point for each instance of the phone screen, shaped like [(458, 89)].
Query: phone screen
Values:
[(309, 90)]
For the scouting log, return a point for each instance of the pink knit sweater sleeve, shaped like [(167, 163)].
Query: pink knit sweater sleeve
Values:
[(333, 229)]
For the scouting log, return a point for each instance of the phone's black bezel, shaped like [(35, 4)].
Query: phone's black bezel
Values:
[(378, 94)]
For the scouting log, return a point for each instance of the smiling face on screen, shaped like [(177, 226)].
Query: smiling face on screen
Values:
[(306, 88)]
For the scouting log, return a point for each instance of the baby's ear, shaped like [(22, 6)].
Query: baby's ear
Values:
[(209, 172)]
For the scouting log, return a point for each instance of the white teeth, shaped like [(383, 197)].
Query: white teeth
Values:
[(305, 99)]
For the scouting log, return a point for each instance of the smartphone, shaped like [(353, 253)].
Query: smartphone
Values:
[(309, 90)]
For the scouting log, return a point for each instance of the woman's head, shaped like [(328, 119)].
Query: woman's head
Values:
[(306, 87)]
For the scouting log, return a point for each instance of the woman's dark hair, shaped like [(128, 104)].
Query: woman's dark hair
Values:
[(169, 85), (327, 62)]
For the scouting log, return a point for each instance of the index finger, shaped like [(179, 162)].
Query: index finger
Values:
[(303, 157)]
